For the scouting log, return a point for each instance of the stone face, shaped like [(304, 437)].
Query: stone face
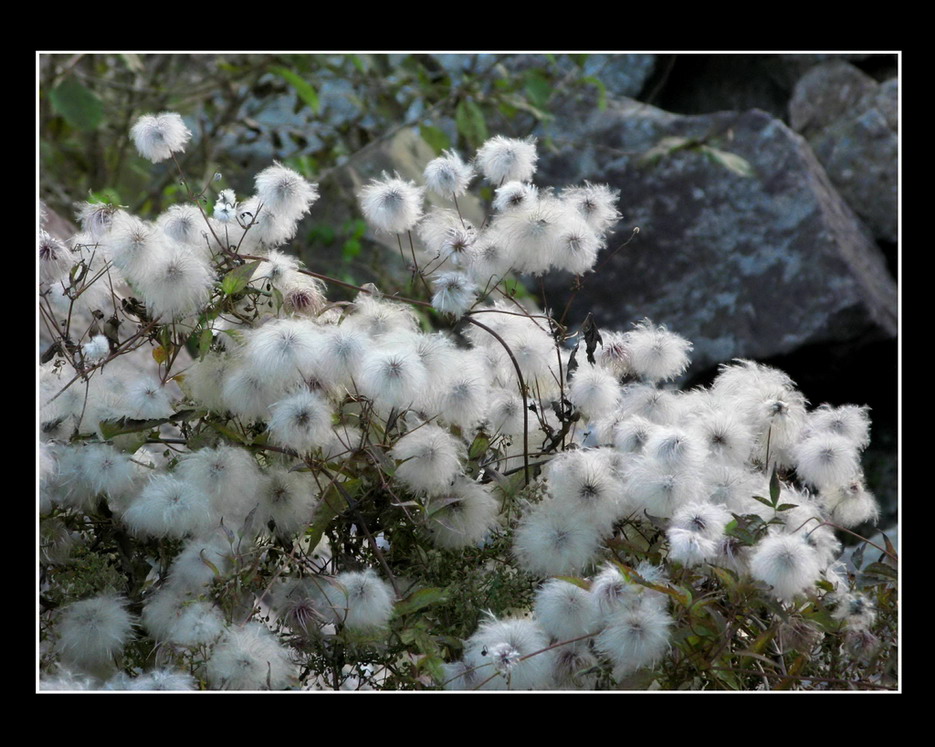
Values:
[(743, 266), (851, 121), (825, 94)]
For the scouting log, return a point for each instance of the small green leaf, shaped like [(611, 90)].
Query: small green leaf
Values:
[(304, 89), (726, 577), (857, 559), (212, 566), (470, 121), (601, 91), (762, 500), (435, 137), (731, 161), (228, 433), (665, 147), (889, 546), (420, 600), (434, 666), (786, 506), (762, 640), (236, 280), (204, 343), (111, 428), (81, 108), (774, 487), (479, 447), (882, 570), (538, 88)]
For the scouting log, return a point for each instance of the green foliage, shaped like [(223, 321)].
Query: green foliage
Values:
[(339, 104)]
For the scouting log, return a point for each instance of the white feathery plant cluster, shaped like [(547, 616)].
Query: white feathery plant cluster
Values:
[(270, 473)]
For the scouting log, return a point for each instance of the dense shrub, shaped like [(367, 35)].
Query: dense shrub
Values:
[(246, 485)]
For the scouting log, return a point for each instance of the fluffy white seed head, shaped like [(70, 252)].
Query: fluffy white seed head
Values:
[(594, 390), (510, 654), (360, 600), (551, 540), (454, 293), (430, 459), (95, 218), (176, 283), (168, 507), (826, 460), (850, 504), (503, 160), (55, 259), (285, 192), (689, 548), (565, 610), (513, 195), (462, 515), (184, 224), (634, 638), (448, 175), (93, 631), (585, 482), (158, 136), (250, 658), (96, 349), (596, 203), (392, 378), (146, 398), (301, 421), (655, 353), (850, 421), (284, 350), (289, 500), (391, 204), (786, 562)]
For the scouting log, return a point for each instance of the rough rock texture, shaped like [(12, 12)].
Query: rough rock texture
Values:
[(851, 121), (751, 266), (703, 83)]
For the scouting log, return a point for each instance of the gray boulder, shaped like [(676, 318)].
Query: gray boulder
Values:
[(744, 245), (851, 122)]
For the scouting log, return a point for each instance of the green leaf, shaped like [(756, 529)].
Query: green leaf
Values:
[(479, 447), (601, 91), (80, 107), (538, 88), (236, 280), (420, 600), (731, 161), (228, 433), (208, 563), (774, 487), (882, 570), (762, 640), (111, 428), (331, 504), (351, 249), (304, 89), (470, 122), (434, 666), (726, 577), (889, 546), (786, 506), (204, 343), (435, 137), (665, 147)]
